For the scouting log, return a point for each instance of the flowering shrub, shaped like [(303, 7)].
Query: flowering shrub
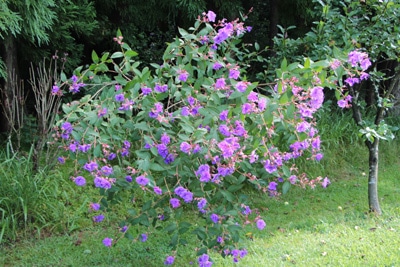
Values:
[(190, 134)]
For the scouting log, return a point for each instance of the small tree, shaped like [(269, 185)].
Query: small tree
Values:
[(369, 27)]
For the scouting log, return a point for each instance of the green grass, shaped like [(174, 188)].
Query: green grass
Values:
[(320, 227)]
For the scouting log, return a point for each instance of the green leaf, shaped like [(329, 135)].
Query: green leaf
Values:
[(284, 64), (228, 195), (117, 55), (131, 53), (171, 227), (157, 167), (95, 57), (285, 187), (146, 206), (235, 187), (307, 63), (200, 232)]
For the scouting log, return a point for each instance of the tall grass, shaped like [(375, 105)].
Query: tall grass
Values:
[(27, 199)]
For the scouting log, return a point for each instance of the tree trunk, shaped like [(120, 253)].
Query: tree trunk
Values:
[(9, 55), (373, 198)]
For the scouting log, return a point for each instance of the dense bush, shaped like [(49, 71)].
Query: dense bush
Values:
[(188, 135)]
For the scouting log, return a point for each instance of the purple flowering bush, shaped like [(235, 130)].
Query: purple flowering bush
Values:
[(190, 133)]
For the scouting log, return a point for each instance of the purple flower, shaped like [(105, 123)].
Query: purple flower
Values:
[(220, 239), (269, 167), (272, 186), (127, 105), (302, 126), (223, 33), (169, 260), (112, 156), (124, 229), (211, 16), (228, 146), (316, 143), (201, 204), (191, 100), (165, 139), (246, 210), (223, 116), (98, 218), (118, 87), (159, 107), (183, 75), (161, 88), (239, 129), (342, 103), (169, 158), (185, 111), (317, 97), (220, 83), (146, 90), (196, 149), (175, 203), (224, 130), (61, 160), (260, 224), (203, 261), (101, 182), (157, 190), (105, 170), (217, 66), (90, 166), (72, 147), (128, 178), (325, 182), (293, 179), (185, 147), (162, 150), (225, 171), (74, 78), (127, 144), (102, 112), (119, 97), (107, 242), (185, 194), (262, 104), (179, 190), (234, 73), (95, 206), (55, 90), (351, 81), (247, 108), (143, 237), (147, 146), (141, 180), (80, 181), (241, 86), (364, 76), (355, 57), (319, 156), (214, 218), (204, 173), (253, 97), (365, 63), (253, 157)]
